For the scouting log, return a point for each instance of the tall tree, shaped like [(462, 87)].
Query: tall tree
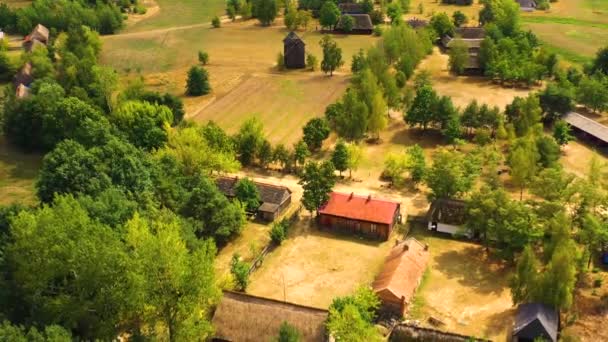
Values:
[(329, 14), (198, 81), (561, 132), (525, 279), (600, 64), (315, 132), (452, 174), (266, 11), (249, 139), (459, 57), (317, 180), (176, 284), (144, 124), (355, 156), (332, 54), (593, 92), (423, 107), (339, 157), (523, 159), (351, 121)]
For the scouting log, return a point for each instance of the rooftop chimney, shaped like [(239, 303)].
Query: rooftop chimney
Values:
[(426, 246), (369, 198), (351, 196), (406, 247)]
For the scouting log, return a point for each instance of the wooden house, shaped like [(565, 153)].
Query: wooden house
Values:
[(360, 215), (472, 37), (534, 322), (243, 318), (401, 274), (588, 129), (417, 23), (294, 51), (362, 24), (448, 216), (351, 8), (24, 76), (275, 198), (38, 37)]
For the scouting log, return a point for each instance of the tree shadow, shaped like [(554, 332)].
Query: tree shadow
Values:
[(497, 322), (473, 268)]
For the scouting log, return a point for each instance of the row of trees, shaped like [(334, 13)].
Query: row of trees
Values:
[(264, 10), (105, 17)]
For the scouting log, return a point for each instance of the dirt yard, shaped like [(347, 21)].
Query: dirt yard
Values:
[(465, 290), (313, 266)]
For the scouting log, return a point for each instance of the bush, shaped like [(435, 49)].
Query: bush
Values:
[(203, 57), (482, 137), (240, 271), (278, 232), (377, 17), (140, 9), (280, 62), (311, 62), (597, 282), (378, 31), (198, 82), (215, 22)]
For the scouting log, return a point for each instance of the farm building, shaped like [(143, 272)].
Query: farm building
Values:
[(405, 332), (294, 51), (24, 76), (527, 5), (243, 317), (416, 23), (275, 198), (360, 215), (447, 216), (39, 36), (351, 8), (534, 321), (401, 274), (588, 129), (472, 37), (22, 91), (362, 24)]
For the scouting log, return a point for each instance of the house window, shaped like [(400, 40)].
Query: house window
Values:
[(374, 228)]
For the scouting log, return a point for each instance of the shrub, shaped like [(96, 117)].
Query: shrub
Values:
[(280, 62), (198, 82), (311, 62), (378, 31), (140, 9), (377, 17), (203, 57), (482, 137), (240, 271), (278, 232), (597, 282), (215, 22)]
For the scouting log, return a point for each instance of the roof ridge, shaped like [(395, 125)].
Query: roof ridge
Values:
[(365, 197)]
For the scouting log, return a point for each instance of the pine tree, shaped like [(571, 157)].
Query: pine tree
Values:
[(198, 82)]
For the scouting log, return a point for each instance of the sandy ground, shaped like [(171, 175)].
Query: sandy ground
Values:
[(465, 290), (590, 325)]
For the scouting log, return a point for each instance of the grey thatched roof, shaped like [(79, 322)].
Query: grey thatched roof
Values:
[(351, 8), (417, 23), (534, 320), (243, 317), (411, 333), (448, 211), (527, 4), (360, 22), (293, 38), (587, 125), (272, 196)]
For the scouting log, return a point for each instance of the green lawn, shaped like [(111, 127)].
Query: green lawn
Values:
[(180, 13), (18, 172)]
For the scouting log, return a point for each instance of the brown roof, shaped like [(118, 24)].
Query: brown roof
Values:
[(402, 271), (448, 211), (470, 32), (32, 44), (243, 317), (269, 193), (362, 208), (361, 22), (22, 91), (292, 37), (24, 76), (587, 125), (40, 33), (351, 8)]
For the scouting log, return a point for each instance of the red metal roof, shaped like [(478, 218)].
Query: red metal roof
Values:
[(362, 208)]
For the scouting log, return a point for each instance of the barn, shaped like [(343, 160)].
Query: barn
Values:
[(401, 274), (275, 198), (294, 51), (360, 215), (587, 129), (362, 24), (38, 37), (472, 37), (24, 76), (448, 216), (535, 321), (243, 317)]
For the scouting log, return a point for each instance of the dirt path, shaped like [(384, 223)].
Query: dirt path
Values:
[(224, 19)]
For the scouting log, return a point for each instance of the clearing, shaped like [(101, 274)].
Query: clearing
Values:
[(18, 173), (464, 289)]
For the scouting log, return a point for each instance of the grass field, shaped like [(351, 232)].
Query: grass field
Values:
[(18, 172), (174, 13), (464, 289)]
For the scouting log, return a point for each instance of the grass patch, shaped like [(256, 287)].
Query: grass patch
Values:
[(418, 302), (180, 13), (563, 21), (18, 173), (568, 54)]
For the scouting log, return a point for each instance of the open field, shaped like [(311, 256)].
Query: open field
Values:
[(178, 13), (18, 172), (464, 289), (431, 7), (576, 29), (314, 266)]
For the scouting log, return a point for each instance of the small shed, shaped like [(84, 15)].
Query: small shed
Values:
[(527, 5), (24, 76), (22, 91), (362, 24), (360, 215), (401, 274), (448, 216), (294, 51), (242, 317), (534, 321)]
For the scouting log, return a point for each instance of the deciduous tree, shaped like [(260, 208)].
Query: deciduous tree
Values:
[(332, 54), (317, 180)]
